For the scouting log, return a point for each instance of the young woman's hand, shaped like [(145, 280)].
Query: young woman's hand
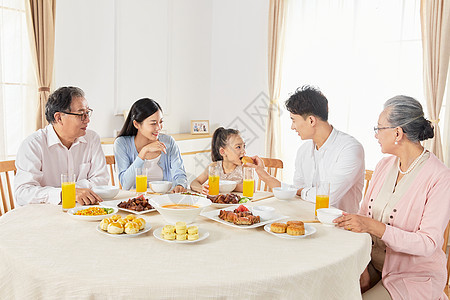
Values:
[(179, 189), (205, 189), (153, 147)]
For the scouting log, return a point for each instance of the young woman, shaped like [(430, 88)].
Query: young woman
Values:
[(405, 210), (140, 144)]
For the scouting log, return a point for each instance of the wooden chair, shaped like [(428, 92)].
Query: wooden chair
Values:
[(444, 248), (111, 162), (5, 168), (272, 165), (367, 178)]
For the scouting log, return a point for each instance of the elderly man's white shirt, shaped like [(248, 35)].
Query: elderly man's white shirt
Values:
[(339, 161), (42, 158)]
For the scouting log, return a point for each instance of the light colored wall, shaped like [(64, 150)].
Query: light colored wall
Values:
[(212, 60)]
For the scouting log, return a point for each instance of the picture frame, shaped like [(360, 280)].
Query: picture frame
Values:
[(199, 126)]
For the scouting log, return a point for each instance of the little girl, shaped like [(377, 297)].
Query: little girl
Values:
[(227, 149)]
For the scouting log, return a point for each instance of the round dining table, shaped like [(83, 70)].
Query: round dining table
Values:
[(47, 254)]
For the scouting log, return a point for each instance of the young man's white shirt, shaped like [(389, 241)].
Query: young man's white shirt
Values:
[(42, 158), (339, 161)]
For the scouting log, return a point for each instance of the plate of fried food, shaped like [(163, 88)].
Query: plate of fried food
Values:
[(129, 226), (227, 200), (240, 216), (138, 205), (92, 213), (290, 229), (180, 233)]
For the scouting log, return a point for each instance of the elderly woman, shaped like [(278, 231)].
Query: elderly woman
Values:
[(405, 210)]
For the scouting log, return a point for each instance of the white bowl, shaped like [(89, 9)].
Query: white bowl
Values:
[(106, 191), (226, 186), (265, 212), (173, 215), (327, 215), (160, 186), (285, 193)]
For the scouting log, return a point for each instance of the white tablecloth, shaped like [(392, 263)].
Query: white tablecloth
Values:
[(44, 253)]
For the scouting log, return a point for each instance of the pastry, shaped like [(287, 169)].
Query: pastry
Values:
[(169, 236), (122, 222), (192, 237), (180, 227), (295, 230), (295, 223), (192, 230), (104, 224), (115, 217), (131, 228), (181, 237), (246, 160), (180, 230), (140, 222), (115, 228), (168, 229), (278, 227), (130, 217)]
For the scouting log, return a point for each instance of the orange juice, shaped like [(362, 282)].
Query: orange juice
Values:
[(68, 195), (214, 185), (249, 187), (322, 201), (141, 183)]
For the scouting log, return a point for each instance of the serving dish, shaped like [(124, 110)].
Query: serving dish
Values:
[(202, 234), (309, 230), (71, 212), (147, 228), (114, 203)]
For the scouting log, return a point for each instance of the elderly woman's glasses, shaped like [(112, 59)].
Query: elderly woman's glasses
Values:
[(376, 129), (82, 116)]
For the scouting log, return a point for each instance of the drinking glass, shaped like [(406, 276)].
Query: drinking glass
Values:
[(68, 191), (141, 180), (213, 179), (322, 195), (249, 182)]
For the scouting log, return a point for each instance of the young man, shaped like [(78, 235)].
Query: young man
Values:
[(64, 146), (328, 155)]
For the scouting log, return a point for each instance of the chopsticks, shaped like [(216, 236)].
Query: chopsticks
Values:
[(311, 221)]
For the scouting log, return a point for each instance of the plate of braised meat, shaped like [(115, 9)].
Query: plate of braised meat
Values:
[(138, 205)]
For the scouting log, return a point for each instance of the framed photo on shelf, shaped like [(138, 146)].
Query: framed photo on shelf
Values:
[(199, 127)]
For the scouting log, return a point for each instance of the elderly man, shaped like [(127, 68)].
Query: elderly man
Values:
[(65, 146), (328, 155)]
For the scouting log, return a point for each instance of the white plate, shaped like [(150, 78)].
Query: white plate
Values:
[(114, 203), (72, 212), (214, 215), (202, 234), (146, 229), (309, 230)]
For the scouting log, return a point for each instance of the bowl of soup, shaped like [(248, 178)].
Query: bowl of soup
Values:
[(179, 207)]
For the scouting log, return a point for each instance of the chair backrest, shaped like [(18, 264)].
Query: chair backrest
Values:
[(272, 166), (7, 168), (444, 248), (111, 162), (367, 178)]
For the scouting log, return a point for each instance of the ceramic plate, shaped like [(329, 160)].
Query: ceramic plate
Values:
[(125, 235), (202, 234), (214, 215), (309, 230), (71, 212), (114, 203)]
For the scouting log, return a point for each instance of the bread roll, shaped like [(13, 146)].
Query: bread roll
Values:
[(104, 224), (278, 227), (140, 222), (192, 237), (131, 228), (115, 217), (300, 223), (130, 217), (122, 222), (115, 228), (295, 230), (192, 229), (247, 159)]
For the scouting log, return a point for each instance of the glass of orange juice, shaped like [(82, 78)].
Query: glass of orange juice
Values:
[(213, 179), (68, 191), (322, 195), (249, 182), (141, 180)]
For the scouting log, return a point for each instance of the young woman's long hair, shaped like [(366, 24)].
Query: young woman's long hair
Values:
[(220, 140), (140, 110)]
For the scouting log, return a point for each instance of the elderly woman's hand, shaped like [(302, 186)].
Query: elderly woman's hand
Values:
[(358, 223)]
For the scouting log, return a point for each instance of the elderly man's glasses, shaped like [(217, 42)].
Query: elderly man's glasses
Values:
[(82, 116), (376, 129)]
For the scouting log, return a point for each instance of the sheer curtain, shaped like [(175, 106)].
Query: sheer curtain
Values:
[(17, 82), (359, 53)]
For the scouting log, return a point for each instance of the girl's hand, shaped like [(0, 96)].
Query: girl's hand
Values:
[(179, 189), (205, 189), (155, 146)]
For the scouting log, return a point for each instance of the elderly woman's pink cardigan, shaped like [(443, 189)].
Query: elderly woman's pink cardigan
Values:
[(415, 265)]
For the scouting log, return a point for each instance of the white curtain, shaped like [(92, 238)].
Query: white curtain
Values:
[(17, 81), (359, 53)]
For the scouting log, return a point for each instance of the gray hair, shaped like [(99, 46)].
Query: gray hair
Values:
[(407, 113), (60, 101)]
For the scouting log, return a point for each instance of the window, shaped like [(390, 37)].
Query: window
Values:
[(359, 53), (17, 81)]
